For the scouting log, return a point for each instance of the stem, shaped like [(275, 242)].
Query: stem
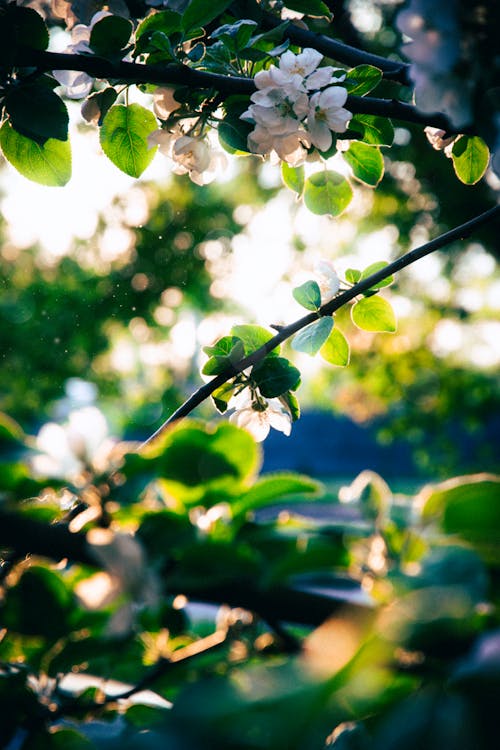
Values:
[(460, 232), (182, 75)]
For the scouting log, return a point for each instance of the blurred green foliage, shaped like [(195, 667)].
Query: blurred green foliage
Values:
[(367, 623)]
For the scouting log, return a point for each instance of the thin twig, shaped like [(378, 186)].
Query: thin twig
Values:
[(460, 232)]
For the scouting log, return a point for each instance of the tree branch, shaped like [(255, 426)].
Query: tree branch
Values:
[(393, 70), (280, 603), (460, 232), (182, 75)]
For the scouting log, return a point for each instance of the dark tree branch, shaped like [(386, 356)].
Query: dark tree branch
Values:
[(460, 232), (182, 75), (393, 70), (277, 604)]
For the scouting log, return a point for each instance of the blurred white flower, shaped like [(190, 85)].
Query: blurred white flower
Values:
[(327, 114), (77, 84), (328, 280), (67, 450), (258, 418), (125, 572)]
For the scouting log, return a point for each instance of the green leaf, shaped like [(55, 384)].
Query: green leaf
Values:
[(311, 338), (468, 506), (164, 21), (375, 130), (291, 402), (51, 119), (200, 12), (352, 275), (38, 590), (220, 362), (271, 489), (374, 314), (236, 35), (362, 79), (327, 193), (222, 395), (233, 134), (274, 376), (222, 347), (47, 164), (470, 156), (293, 177), (308, 295), (124, 135), (313, 8), (366, 163), (110, 35), (21, 27), (253, 338), (193, 454), (373, 268), (335, 350)]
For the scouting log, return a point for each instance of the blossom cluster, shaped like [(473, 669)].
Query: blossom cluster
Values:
[(296, 106), (189, 150)]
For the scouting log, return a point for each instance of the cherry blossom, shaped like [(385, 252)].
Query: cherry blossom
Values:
[(327, 114), (259, 416), (328, 280), (67, 450)]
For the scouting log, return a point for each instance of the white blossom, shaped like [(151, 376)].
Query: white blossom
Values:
[(191, 155), (436, 138), (327, 114), (66, 450), (164, 102), (77, 84), (328, 280), (258, 418)]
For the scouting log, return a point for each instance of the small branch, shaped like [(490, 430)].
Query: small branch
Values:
[(393, 70), (182, 75), (460, 232)]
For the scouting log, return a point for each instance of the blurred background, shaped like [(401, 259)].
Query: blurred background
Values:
[(110, 288)]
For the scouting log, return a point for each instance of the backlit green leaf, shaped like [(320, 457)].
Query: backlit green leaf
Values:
[(327, 193), (48, 164), (308, 295), (362, 79), (124, 135), (366, 163), (253, 337), (293, 177), (374, 130), (335, 350), (373, 268), (374, 314), (311, 338), (470, 156), (272, 489), (352, 275)]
